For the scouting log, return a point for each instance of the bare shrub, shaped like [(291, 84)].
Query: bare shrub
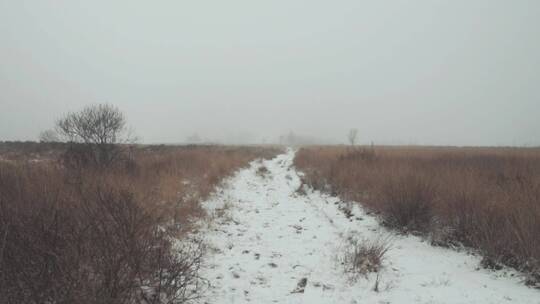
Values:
[(48, 136), (364, 256), (178, 279), (95, 132)]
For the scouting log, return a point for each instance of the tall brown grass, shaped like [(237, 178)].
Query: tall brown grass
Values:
[(485, 198), (88, 235)]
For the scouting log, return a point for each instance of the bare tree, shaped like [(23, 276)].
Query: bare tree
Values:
[(353, 134), (95, 132), (48, 136)]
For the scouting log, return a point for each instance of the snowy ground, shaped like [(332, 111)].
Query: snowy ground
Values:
[(267, 239)]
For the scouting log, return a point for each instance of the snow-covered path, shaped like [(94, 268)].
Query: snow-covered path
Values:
[(267, 240)]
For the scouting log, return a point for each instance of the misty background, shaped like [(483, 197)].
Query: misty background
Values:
[(402, 72)]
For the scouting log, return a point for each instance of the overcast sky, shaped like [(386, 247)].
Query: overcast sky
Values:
[(402, 72)]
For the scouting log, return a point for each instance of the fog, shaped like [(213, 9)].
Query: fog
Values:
[(402, 72)]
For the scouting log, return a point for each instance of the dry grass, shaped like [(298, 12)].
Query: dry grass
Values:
[(485, 198), (263, 171), (90, 235), (186, 175), (364, 256)]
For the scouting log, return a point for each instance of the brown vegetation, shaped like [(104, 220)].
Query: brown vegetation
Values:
[(361, 257), (92, 235), (485, 198)]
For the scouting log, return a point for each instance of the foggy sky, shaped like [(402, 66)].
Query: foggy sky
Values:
[(402, 72)]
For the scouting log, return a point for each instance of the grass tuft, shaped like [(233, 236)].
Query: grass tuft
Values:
[(364, 256)]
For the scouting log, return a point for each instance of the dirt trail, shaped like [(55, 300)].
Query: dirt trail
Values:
[(272, 245)]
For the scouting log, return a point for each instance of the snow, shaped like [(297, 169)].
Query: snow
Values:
[(266, 239)]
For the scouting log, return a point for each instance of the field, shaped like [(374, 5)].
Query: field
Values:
[(72, 234), (158, 224), (487, 199)]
